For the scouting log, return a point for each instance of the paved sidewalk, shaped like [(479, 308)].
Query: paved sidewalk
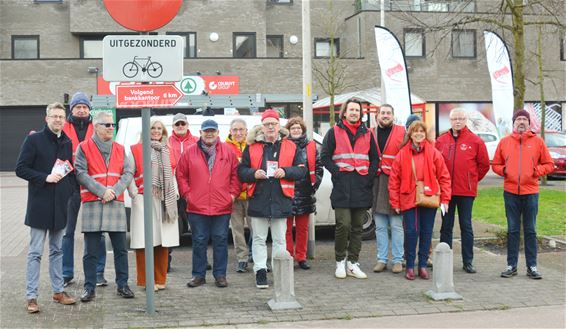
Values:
[(384, 296)]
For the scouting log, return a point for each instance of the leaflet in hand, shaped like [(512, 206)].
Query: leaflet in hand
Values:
[(272, 166), (62, 167)]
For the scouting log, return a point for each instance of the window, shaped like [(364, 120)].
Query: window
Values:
[(281, 2), (414, 42), (244, 45), (322, 47), (190, 43), (464, 43), (563, 49), (25, 46), (274, 46), (91, 46), (437, 6)]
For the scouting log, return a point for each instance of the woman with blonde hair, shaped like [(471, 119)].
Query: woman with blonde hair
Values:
[(164, 193), (418, 162)]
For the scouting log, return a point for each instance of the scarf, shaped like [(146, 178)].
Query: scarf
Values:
[(353, 127), (210, 152), (408, 182), (163, 186)]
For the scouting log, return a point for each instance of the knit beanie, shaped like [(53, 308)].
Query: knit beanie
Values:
[(521, 113), (80, 98), (269, 114), (412, 118)]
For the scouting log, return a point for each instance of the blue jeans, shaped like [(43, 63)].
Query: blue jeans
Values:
[(37, 240), (464, 204), (382, 224), (204, 228), (90, 258), (525, 206), (418, 224), (73, 207)]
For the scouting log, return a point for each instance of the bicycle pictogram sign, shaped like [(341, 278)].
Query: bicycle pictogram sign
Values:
[(145, 64)]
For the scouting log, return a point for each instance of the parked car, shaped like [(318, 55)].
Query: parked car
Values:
[(129, 132), (491, 141), (556, 143)]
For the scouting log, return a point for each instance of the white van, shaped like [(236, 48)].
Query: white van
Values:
[(129, 132)]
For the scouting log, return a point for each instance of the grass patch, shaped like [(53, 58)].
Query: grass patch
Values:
[(489, 208)]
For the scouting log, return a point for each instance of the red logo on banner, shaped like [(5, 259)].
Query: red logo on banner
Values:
[(136, 96), (222, 85), (394, 71), (500, 75)]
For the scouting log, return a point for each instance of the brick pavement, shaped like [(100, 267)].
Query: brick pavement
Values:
[(322, 296)]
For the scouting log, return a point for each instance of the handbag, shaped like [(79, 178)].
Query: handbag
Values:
[(423, 200)]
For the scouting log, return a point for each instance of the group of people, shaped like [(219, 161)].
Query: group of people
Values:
[(267, 178)]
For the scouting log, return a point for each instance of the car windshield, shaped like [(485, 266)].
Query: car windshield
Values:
[(487, 137), (555, 140)]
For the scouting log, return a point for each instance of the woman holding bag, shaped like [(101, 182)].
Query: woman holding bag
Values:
[(418, 164)]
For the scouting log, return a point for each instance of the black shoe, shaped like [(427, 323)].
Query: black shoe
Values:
[(87, 295), (304, 265), (533, 273), (469, 268), (261, 279), (221, 282), (268, 267), (196, 282), (67, 282), (509, 272), (208, 267), (125, 292), (100, 280), (242, 267)]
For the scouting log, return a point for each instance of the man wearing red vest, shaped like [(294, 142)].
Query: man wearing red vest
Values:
[(389, 138), (79, 128), (270, 165), (104, 173), (349, 153)]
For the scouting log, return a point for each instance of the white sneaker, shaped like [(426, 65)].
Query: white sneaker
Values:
[(354, 270), (340, 269)]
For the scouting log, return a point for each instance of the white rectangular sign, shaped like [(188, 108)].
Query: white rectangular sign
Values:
[(142, 57)]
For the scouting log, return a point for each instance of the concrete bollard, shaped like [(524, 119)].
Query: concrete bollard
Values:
[(442, 276), (284, 283)]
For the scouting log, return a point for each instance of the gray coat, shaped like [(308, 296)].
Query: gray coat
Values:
[(381, 203), (98, 217)]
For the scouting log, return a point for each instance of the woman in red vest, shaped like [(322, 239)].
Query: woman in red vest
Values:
[(304, 201), (164, 194)]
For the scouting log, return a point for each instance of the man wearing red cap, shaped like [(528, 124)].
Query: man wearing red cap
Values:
[(270, 165), (521, 158)]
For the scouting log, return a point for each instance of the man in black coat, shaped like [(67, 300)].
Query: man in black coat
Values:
[(49, 189), (349, 153)]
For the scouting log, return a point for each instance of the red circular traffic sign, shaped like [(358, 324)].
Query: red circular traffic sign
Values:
[(142, 15)]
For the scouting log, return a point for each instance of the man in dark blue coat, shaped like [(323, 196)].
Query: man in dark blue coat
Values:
[(49, 188)]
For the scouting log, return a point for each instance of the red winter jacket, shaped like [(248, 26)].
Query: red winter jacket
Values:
[(522, 159), (466, 158), (208, 193), (405, 201), (178, 145)]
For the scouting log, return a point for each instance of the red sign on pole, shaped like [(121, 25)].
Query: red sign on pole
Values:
[(138, 96), (143, 15)]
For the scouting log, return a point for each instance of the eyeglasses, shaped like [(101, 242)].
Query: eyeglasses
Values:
[(107, 125), (57, 117), (270, 124), (180, 123), (457, 119)]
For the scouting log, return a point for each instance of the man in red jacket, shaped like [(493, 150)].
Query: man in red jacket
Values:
[(466, 157), (521, 158), (208, 181)]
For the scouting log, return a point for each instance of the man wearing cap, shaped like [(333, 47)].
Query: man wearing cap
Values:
[(178, 143), (207, 178), (270, 165), (521, 158), (79, 128)]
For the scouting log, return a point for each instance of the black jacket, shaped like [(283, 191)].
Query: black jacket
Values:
[(47, 202), (304, 201), (268, 199), (350, 189)]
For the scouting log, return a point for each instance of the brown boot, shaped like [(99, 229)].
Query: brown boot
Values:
[(32, 306), (63, 298), (397, 268), (379, 267)]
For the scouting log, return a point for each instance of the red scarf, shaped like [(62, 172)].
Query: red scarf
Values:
[(407, 178), (353, 127)]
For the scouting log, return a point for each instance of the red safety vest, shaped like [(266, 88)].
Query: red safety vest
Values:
[(392, 147), (286, 156), (348, 159), (70, 131), (311, 160), (97, 168), (137, 152)]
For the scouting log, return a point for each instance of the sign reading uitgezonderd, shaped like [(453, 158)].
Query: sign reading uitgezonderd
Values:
[(142, 58)]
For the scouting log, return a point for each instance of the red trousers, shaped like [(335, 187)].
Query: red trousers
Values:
[(301, 236), (160, 260)]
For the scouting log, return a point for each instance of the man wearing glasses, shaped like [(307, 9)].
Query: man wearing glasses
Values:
[(48, 192), (466, 157), (104, 173)]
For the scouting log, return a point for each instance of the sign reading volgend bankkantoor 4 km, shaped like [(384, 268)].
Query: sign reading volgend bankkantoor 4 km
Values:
[(142, 58), (137, 96)]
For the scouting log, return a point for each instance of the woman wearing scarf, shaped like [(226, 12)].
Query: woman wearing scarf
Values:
[(165, 215), (304, 201), (429, 167)]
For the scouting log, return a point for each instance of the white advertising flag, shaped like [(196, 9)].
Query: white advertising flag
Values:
[(393, 73), (501, 75)]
